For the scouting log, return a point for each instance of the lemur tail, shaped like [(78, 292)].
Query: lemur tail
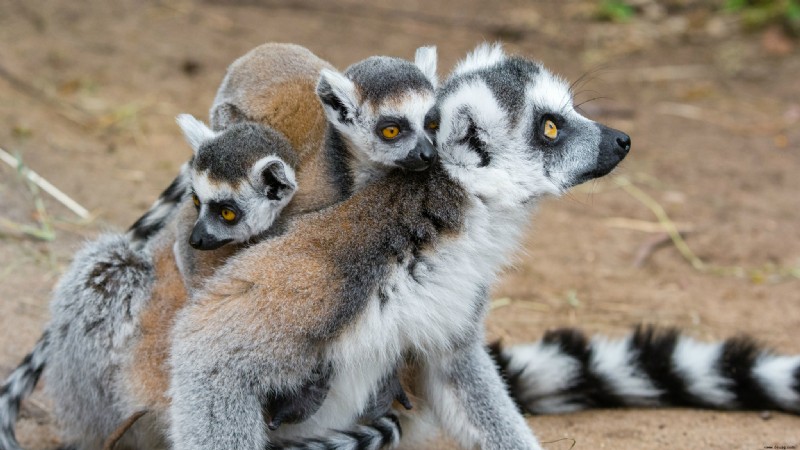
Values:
[(653, 367), (18, 386), (161, 211), (383, 433)]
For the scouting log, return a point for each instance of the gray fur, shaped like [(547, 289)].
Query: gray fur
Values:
[(231, 154), (381, 78), (95, 312)]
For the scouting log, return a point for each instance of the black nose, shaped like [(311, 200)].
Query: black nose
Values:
[(624, 142), (420, 157), (427, 153), (200, 239)]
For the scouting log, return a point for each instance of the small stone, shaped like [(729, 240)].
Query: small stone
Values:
[(765, 415)]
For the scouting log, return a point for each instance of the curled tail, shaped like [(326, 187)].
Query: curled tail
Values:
[(162, 210), (383, 433), (652, 367), (18, 386)]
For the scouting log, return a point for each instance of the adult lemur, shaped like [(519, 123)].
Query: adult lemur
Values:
[(111, 305)]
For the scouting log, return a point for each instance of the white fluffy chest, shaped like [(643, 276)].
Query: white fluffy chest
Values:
[(426, 306)]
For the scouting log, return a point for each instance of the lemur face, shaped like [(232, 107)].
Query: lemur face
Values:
[(383, 107), (508, 127), (242, 178)]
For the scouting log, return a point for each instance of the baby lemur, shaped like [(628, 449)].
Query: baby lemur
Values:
[(241, 179)]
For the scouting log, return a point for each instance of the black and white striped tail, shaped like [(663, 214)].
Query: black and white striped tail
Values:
[(18, 386), (162, 210), (653, 367), (383, 433)]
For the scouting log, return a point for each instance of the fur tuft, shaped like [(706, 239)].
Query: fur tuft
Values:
[(338, 96), (425, 59), (195, 131), (484, 56)]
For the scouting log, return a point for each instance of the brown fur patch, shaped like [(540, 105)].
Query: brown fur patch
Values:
[(149, 375)]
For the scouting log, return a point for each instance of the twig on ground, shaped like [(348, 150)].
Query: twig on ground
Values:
[(650, 246), (45, 185), (669, 226)]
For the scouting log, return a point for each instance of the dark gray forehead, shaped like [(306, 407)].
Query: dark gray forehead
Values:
[(382, 77), (507, 81), (230, 155)]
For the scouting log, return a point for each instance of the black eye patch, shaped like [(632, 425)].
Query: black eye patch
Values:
[(400, 122), (216, 209), (476, 144)]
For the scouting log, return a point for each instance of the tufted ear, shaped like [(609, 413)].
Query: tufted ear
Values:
[(484, 55), (425, 59), (338, 96), (275, 177), (195, 131), (226, 114)]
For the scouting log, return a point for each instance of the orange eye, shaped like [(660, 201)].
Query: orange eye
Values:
[(195, 200), (550, 130), (228, 214), (390, 132), (433, 125)]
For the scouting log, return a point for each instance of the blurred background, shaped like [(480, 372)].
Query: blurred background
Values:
[(709, 91)]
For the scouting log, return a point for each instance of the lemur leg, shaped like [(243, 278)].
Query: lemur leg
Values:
[(470, 399), (214, 408)]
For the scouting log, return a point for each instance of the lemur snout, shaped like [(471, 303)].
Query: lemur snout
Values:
[(624, 141), (421, 157), (614, 146), (201, 239)]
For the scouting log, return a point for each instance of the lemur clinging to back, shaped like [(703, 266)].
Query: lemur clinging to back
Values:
[(397, 274), (116, 297)]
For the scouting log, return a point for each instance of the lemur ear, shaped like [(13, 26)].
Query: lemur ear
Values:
[(276, 177), (484, 55), (338, 96), (195, 131), (425, 59), (224, 115)]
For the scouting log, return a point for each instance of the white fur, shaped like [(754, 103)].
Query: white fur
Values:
[(258, 167), (696, 361), (544, 369), (425, 59), (612, 360), (195, 131), (501, 181), (776, 375), (484, 56), (343, 88)]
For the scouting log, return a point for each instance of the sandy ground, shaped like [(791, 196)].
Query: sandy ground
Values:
[(88, 92)]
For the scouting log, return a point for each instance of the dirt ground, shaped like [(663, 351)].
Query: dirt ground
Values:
[(89, 90)]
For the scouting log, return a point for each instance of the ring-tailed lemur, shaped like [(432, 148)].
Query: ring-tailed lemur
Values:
[(241, 179), (651, 367), (89, 354), (247, 170), (397, 274)]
